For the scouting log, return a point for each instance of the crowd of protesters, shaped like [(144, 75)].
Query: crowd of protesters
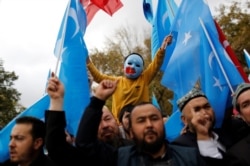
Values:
[(134, 134)]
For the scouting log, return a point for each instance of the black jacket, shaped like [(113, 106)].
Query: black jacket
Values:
[(42, 160), (61, 152), (238, 154), (100, 153)]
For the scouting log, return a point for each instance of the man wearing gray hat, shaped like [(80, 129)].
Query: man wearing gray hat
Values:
[(238, 154), (199, 119)]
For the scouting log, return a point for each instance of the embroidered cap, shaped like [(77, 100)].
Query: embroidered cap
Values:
[(240, 88), (190, 95)]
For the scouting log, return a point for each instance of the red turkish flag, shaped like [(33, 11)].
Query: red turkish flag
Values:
[(230, 52), (91, 10), (93, 6), (109, 6)]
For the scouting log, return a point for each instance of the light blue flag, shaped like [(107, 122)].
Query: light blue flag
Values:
[(73, 69), (227, 65), (72, 73), (247, 57), (216, 93), (147, 10), (219, 75), (161, 23), (173, 101), (36, 110), (76, 15), (164, 16), (186, 65), (155, 102), (173, 126), (183, 69)]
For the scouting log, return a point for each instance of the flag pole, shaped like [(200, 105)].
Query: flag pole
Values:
[(245, 51), (172, 12), (247, 57), (171, 9), (216, 55), (63, 37)]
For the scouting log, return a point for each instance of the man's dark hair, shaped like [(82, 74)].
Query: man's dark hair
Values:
[(126, 108), (38, 126)]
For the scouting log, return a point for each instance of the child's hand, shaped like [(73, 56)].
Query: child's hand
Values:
[(167, 40)]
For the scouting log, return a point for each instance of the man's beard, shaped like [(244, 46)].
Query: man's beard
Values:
[(113, 141), (153, 147)]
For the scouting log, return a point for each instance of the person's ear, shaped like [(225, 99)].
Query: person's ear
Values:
[(38, 143), (184, 119)]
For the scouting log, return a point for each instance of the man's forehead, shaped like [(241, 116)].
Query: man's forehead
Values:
[(244, 96), (21, 129), (247, 91), (144, 110), (106, 113)]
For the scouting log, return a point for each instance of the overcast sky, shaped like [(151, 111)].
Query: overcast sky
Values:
[(28, 31)]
